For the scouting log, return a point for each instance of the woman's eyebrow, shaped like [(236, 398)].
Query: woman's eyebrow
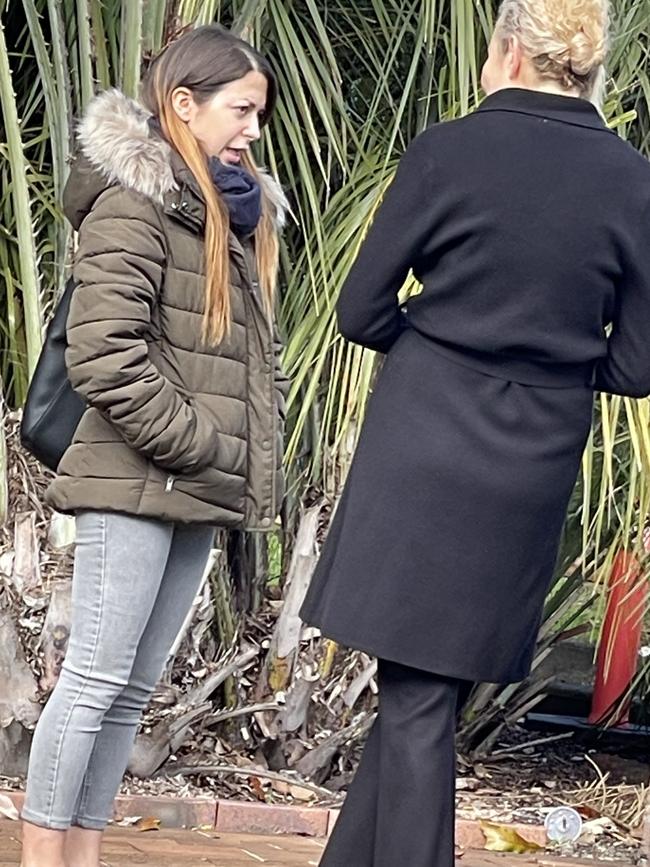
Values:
[(252, 100)]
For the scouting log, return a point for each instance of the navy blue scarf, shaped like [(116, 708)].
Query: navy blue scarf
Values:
[(242, 194)]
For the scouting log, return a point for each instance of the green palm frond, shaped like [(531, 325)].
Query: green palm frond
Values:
[(358, 81)]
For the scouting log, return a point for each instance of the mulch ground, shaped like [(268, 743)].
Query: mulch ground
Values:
[(127, 848)]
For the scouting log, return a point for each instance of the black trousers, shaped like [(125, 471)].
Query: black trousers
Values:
[(400, 806)]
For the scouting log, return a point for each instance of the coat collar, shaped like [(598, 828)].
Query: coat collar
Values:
[(184, 200), (565, 109)]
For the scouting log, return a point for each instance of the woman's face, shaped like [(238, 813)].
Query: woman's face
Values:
[(229, 122)]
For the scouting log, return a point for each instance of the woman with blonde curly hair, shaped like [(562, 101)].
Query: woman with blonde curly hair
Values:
[(528, 224)]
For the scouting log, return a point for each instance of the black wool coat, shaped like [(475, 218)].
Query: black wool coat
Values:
[(528, 224)]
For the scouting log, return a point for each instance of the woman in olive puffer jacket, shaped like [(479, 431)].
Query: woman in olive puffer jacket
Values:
[(172, 343)]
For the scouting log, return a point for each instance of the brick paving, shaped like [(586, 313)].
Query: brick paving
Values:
[(126, 847)]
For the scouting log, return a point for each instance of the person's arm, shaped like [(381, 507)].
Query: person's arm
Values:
[(625, 370), (368, 310), (119, 271)]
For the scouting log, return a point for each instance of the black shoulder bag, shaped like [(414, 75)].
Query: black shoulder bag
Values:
[(53, 409)]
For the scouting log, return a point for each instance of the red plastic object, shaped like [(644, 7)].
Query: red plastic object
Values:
[(620, 641)]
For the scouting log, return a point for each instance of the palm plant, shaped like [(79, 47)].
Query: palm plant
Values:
[(358, 82)]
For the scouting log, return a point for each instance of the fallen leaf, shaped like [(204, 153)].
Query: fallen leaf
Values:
[(256, 786), (501, 838), (298, 793), (328, 659), (279, 673), (128, 821), (7, 809), (481, 772), (588, 812), (149, 823), (601, 824), (596, 827)]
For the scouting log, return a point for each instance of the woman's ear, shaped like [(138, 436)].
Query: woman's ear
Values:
[(183, 103), (514, 56)]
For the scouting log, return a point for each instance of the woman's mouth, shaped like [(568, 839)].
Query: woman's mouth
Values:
[(232, 155)]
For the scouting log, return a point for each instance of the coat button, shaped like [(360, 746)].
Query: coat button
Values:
[(266, 522), (266, 444)]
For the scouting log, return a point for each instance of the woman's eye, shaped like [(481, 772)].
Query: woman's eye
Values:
[(242, 109)]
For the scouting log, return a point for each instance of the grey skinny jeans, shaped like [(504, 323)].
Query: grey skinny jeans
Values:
[(134, 582)]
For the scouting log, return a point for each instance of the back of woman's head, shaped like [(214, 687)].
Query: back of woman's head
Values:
[(566, 40), (204, 61)]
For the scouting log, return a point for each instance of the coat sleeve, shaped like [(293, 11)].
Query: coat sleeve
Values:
[(281, 380), (625, 370), (119, 272), (368, 310)]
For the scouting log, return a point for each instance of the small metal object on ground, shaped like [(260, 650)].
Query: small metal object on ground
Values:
[(563, 825)]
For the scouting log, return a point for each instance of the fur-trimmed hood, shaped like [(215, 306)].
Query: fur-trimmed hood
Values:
[(117, 146)]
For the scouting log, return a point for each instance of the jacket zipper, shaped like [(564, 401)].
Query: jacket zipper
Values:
[(170, 484)]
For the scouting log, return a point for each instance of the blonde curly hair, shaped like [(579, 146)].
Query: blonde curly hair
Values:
[(567, 40)]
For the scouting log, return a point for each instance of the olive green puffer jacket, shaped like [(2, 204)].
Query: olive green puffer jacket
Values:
[(174, 429)]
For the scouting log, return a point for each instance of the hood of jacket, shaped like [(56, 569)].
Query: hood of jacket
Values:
[(116, 145)]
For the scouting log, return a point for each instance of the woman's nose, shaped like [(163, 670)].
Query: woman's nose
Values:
[(253, 128)]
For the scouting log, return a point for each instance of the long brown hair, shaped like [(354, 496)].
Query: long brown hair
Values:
[(204, 60)]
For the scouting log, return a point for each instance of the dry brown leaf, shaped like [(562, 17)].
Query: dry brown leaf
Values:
[(588, 812), (256, 786), (297, 792), (300, 793), (501, 838), (148, 823)]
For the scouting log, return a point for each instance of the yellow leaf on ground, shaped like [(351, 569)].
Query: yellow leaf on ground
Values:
[(278, 674), (502, 838), (328, 659), (148, 823)]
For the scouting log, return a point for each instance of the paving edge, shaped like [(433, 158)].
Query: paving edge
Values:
[(248, 817)]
